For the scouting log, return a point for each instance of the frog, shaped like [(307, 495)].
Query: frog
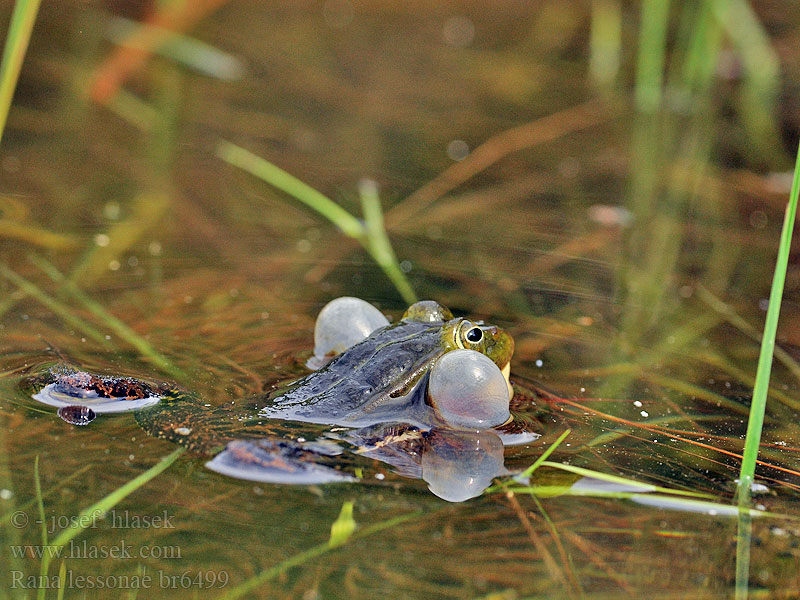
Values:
[(428, 395)]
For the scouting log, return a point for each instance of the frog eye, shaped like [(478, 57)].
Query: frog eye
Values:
[(474, 335)]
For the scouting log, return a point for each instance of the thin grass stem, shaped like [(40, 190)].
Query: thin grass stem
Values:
[(737, 321), (545, 455), (371, 235), (605, 42), (266, 171), (744, 533), (761, 73), (307, 555), (109, 320), (189, 51), (62, 578), (755, 422), (97, 510), (529, 471), (54, 305), (644, 487), (379, 245), (652, 51), (40, 499), (22, 507), (761, 387), (134, 110), (19, 34)]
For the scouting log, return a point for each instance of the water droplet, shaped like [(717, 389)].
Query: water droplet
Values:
[(111, 211), (458, 31), (457, 150)]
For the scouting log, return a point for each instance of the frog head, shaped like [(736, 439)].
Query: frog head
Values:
[(464, 334), (486, 339)]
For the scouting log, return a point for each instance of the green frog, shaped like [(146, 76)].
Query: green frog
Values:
[(422, 386)]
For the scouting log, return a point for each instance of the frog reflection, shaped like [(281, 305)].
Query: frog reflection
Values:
[(456, 464), (428, 395)]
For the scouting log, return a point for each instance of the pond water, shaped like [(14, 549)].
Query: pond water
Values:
[(627, 245)]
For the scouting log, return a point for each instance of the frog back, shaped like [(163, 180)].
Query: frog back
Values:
[(366, 383)]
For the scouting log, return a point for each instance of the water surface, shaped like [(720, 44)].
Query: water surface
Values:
[(628, 253)]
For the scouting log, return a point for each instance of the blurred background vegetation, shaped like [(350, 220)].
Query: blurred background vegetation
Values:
[(605, 178)]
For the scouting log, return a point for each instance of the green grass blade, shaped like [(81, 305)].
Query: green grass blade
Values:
[(134, 110), (189, 51), (524, 475), (307, 555), (266, 171), (661, 501), (372, 235), (702, 52), (758, 406), (343, 527), (97, 510), (605, 42), (26, 505), (544, 456), (378, 243), (755, 422), (744, 533), (40, 500), (62, 578), (652, 51), (19, 34), (760, 92), (54, 305), (644, 487), (109, 320)]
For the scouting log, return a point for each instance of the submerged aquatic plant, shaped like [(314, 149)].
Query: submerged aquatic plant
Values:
[(88, 515), (343, 530)]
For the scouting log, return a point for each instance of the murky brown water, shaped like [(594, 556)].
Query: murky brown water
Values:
[(627, 254)]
